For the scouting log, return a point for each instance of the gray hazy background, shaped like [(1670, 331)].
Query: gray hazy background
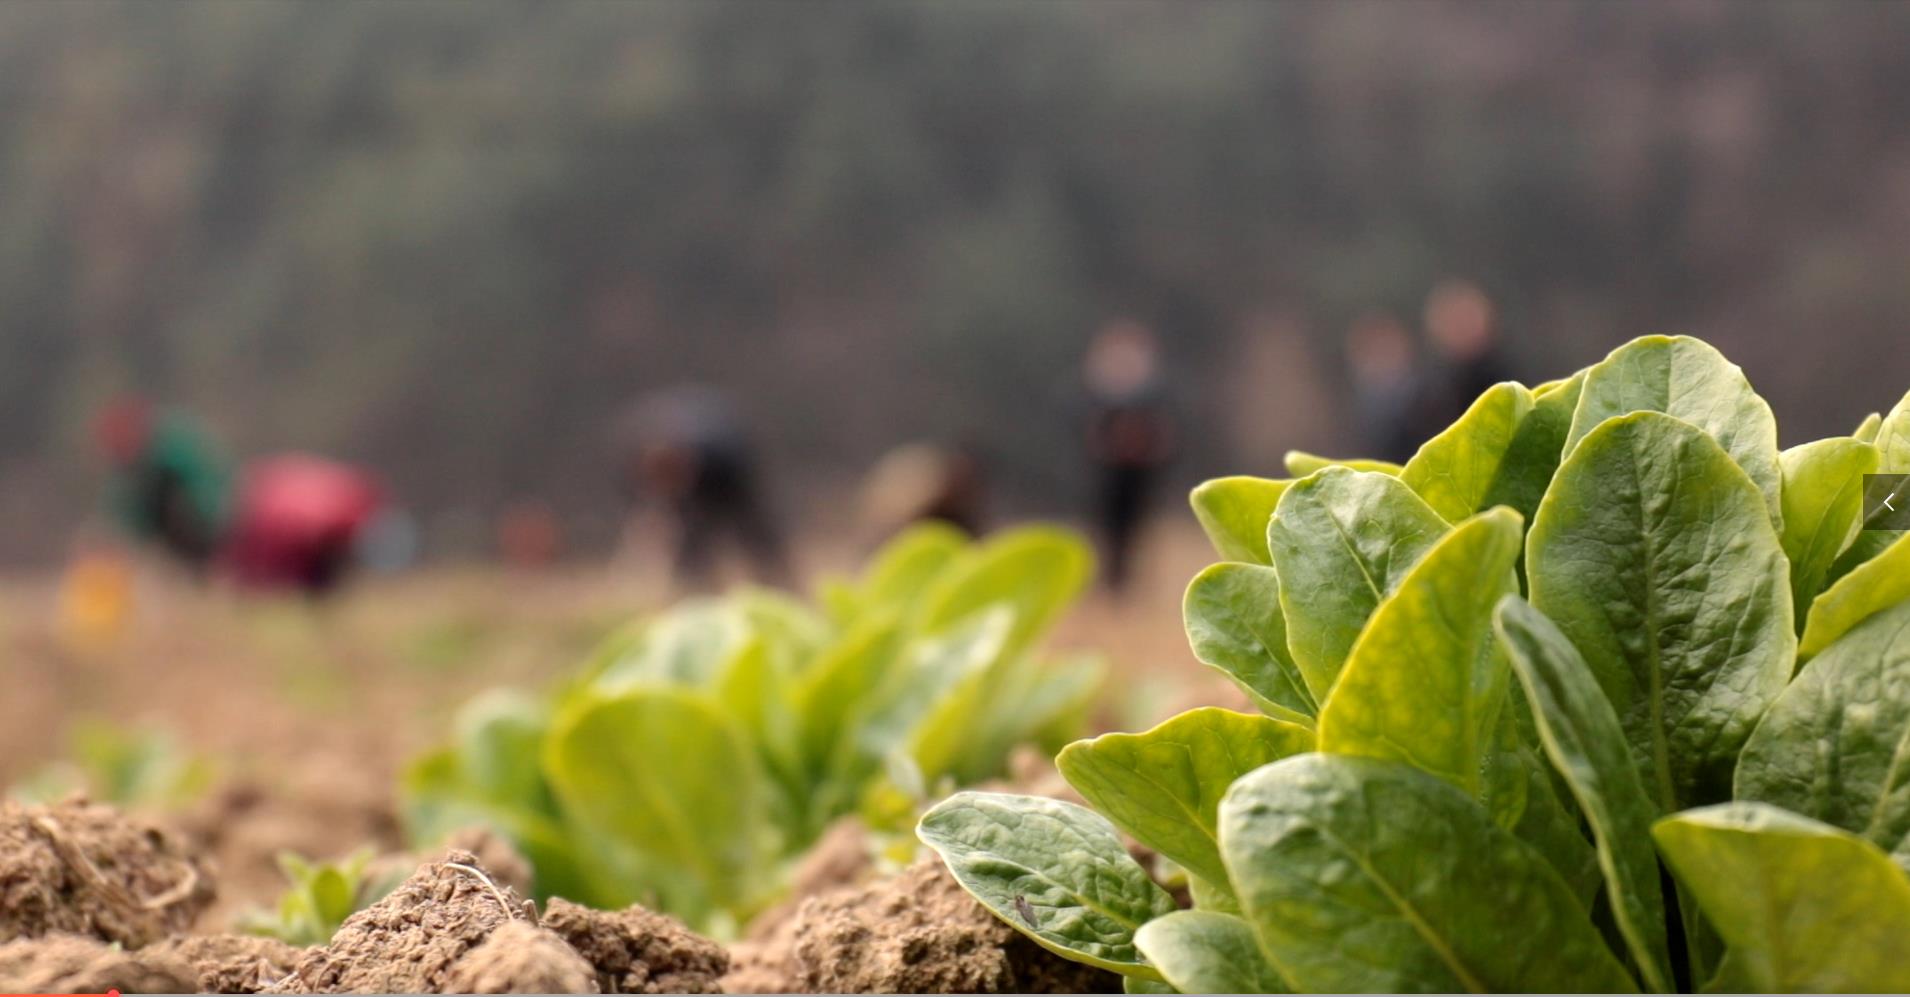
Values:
[(451, 239)]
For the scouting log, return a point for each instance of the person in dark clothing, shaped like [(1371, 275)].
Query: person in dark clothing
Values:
[(169, 485), (691, 453), (1462, 326), (1389, 392), (1130, 437)]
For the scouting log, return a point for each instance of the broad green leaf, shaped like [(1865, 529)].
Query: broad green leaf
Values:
[(1823, 500), (1866, 545), (1342, 540), (1893, 438), (1875, 585), (1551, 826), (1234, 625), (1836, 745), (1688, 379), (1300, 464), (1139, 985), (1805, 907), (1164, 786), (1867, 430), (689, 646), (1204, 952), (1369, 876), (1582, 737), (1653, 554), (1234, 513), (500, 739), (905, 566), (1037, 570), (1456, 470), (1426, 681), (836, 692), (1533, 457), (1053, 871), (662, 771)]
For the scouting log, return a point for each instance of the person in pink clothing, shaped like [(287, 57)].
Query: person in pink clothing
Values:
[(296, 522)]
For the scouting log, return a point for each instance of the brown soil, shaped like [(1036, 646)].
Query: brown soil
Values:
[(70, 964), (521, 958), (84, 869), (231, 964), (410, 941), (634, 951), (918, 932)]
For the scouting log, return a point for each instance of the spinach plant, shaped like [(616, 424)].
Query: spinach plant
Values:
[(697, 753), (322, 895), (1600, 691)]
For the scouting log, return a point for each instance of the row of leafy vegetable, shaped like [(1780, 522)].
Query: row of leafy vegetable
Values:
[(697, 754), (1599, 691)]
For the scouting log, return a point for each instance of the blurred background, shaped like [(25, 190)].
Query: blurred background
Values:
[(452, 242)]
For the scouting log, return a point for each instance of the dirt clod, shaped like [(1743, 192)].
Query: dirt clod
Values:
[(231, 964), (918, 932), (520, 958), (85, 869), (410, 941), (70, 964), (634, 951)]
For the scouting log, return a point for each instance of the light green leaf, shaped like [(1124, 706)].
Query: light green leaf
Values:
[(1234, 513), (1533, 458), (1164, 786), (1652, 553), (1053, 871), (1582, 736), (1037, 570), (1342, 540), (1204, 952), (908, 564), (1893, 438), (1875, 585), (1805, 907), (690, 645), (1836, 745), (1456, 470), (1823, 501), (1300, 464), (1690, 380), (1426, 682), (1368, 876), (662, 771), (500, 739), (1234, 625), (1866, 431), (836, 692)]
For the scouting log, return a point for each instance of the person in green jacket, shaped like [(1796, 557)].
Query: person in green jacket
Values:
[(170, 485)]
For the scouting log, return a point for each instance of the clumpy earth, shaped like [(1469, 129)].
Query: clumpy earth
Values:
[(918, 932), (83, 869), (521, 958), (71, 964), (410, 941), (634, 951), (230, 964), (455, 928)]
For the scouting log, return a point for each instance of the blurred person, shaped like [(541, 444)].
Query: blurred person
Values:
[(96, 595), (298, 521), (687, 448), (921, 482), (1462, 325), (169, 485), (1389, 392), (1130, 437)]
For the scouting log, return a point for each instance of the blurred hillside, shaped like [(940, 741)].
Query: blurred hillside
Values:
[(451, 239)]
